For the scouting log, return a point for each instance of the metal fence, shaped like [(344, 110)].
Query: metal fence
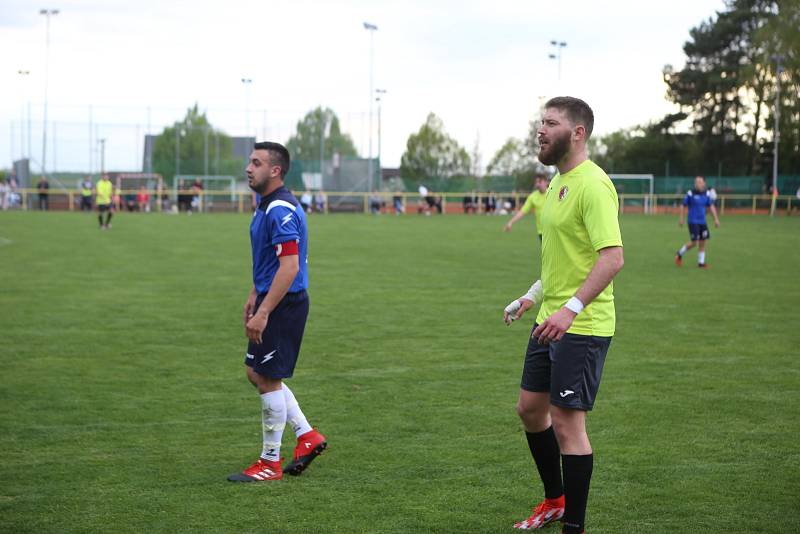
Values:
[(166, 200)]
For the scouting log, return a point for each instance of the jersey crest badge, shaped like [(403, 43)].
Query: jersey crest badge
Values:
[(562, 193)]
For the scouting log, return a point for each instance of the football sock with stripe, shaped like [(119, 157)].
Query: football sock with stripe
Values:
[(273, 417), (294, 415), (577, 475), (682, 251), (546, 454)]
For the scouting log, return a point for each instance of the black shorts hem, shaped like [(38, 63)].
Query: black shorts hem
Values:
[(580, 407), (531, 389), (263, 372)]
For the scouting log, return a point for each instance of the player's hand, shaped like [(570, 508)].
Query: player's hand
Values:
[(507, 227), (249, 308), (680, 223), (554, 327), (716, 223), (514, 311), (255, 326)]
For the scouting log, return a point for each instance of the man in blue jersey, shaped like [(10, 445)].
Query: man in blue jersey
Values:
[(275, 313), (697, 200)]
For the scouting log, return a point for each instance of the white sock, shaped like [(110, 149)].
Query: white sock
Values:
[(701, 257), (682, 251), (294, 415), (273, 417)]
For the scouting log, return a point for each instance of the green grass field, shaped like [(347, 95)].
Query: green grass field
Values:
[(125, 406)]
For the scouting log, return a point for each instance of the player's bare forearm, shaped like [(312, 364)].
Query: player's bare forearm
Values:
[(714, 213), (287, 271), (250, 304), (609, 263), (517, 216), (680, 216)]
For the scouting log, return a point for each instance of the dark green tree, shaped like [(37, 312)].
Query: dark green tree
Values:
[(431, 153), (198, 147), (729, 79), (305, 144)]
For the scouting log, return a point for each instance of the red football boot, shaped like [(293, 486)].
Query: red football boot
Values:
[(261, 471), (547, 511), (309, 446)]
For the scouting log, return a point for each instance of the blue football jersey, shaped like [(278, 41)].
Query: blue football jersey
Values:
[(278, 219), (697, 201)]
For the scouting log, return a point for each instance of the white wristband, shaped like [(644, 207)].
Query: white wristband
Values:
[(574, 305)]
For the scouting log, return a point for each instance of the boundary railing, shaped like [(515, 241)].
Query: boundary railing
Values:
[(167, 200)]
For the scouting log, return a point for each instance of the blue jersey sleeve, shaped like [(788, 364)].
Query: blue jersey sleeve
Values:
[(283, 225), (686, 198)]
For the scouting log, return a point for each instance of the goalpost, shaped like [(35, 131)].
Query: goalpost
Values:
[(129, 183), (639, 186), (219, 191)]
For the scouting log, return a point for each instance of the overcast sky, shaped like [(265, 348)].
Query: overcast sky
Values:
[(482, 66)]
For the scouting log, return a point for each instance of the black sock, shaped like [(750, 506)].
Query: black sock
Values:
[(577, 474), (108, 218), (100, 219), (545, 452)]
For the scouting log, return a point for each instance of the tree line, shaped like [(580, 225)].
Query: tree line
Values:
[(724, 124)]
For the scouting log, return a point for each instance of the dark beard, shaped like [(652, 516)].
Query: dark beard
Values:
[(558, 149), (258, 189)]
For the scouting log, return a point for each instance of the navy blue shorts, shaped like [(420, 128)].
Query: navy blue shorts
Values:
[(570, 369), (699, 232), (276, 355)]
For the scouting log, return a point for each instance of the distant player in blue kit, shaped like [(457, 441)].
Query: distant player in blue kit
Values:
[(275, 313), (697, 200)]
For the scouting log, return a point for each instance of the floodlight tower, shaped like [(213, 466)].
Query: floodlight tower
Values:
[(247, 82), (559, 46), (371, 28), (46, 13), (24, 73), (777, 135), (379, 93)]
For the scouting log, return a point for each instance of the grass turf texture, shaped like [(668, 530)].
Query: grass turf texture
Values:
[(125, 403)]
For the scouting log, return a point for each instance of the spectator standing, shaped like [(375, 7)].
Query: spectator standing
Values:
[(44, 193)]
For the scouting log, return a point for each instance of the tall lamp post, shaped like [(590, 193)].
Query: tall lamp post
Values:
[(559, 45), (371, 28), (379, 93), (777, 136), (46, 13), (247, 82), (23, 73)]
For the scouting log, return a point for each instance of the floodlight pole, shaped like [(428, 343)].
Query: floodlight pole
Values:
[(102, 143), (23, 74), (559, 45), (379, 92), (247, 82), (777, 134), (46, 13), (371, 28)]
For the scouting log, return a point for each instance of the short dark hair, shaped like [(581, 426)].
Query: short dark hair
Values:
[(577, 110), (279, 155)]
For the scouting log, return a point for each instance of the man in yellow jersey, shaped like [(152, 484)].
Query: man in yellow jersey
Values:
[(103, 201), (87, 188), (535, 202), (581, 254)]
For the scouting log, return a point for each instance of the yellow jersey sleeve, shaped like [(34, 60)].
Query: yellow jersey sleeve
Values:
[(600, 207), (529, 203)]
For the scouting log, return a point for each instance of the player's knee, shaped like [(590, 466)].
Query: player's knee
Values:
[(533, 415)]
